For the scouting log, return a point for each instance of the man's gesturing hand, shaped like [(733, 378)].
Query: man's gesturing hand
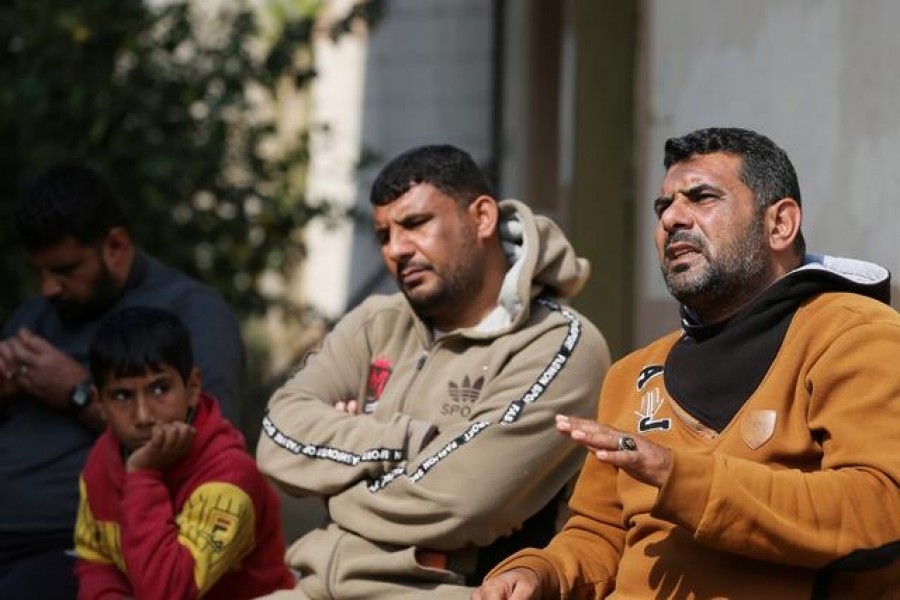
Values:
[(642, 459)]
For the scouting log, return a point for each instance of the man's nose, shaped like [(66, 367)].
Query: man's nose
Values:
[(399, 245), (50, 286), (143, 415), (678, 214)]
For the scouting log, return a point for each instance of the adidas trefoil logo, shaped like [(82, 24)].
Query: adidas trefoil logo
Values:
[(466, 391)]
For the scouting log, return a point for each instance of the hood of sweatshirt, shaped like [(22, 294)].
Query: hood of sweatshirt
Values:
[(542, 263), (818, 273)]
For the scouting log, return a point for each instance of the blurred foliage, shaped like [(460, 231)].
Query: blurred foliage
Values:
[(173, 102)]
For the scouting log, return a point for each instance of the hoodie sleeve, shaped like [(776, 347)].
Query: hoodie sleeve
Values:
[(480, 480), (302, 423), (98, 576), (580, 561), (101, 581), (183, 555)]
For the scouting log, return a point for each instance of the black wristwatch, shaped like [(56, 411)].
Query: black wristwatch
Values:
[(80, 396)]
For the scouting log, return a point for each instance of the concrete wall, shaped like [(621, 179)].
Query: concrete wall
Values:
[(820, 77), (335, 134), (428, 79), (422, 75)]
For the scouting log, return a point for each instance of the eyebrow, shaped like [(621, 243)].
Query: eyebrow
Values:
[(404, 220), (691, 193), (156, 380)]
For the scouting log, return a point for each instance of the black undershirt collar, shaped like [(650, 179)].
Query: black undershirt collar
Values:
[(714, 369)]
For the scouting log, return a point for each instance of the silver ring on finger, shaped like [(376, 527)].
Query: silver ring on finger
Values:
[(627, 443)]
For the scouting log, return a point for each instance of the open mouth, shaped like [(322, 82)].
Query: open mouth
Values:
[(678, 250)]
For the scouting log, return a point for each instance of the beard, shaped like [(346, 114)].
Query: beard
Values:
[(738, 274), (454, 282), (104, 294)]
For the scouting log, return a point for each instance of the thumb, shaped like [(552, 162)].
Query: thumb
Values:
[(32, 342)]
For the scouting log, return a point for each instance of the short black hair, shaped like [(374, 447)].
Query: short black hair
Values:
[(66, 200), (446, 167), (137, 339), (765, 167)]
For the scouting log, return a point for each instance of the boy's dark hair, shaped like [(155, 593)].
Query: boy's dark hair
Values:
[(66, 200), (765, 168), (134, 340), (449, 169)]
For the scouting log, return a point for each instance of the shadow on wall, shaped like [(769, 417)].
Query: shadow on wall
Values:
[(298, 515)]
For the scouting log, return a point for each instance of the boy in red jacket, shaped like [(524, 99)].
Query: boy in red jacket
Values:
[(172, 505)]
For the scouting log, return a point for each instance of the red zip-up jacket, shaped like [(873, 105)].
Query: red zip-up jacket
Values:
[(208, 528)]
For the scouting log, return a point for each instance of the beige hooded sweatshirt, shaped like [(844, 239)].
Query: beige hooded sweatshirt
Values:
[(456, 445)]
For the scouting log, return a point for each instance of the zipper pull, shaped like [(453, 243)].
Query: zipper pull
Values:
[(421, 362)]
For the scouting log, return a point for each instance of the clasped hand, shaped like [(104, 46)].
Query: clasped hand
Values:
[(31, 364)]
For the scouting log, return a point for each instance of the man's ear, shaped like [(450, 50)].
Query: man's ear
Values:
[(485, 214), (782, 221), (118, 251)]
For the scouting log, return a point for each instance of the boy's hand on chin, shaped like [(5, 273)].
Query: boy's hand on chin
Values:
[(168, 444)]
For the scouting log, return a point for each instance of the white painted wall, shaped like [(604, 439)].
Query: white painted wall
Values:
[(335, 138), (819, 77)]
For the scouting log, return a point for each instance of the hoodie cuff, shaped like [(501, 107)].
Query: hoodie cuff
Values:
[(683, 499)]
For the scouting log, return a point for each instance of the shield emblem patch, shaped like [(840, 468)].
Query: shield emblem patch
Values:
[(757, 427)]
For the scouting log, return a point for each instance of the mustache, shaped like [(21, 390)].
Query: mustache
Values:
[(685, 237), (412, 264)]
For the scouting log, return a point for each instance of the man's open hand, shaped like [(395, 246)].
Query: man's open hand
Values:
[(647, 462)]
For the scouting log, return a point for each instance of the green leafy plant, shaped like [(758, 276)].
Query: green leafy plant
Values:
[(181, 106), (176, 104)]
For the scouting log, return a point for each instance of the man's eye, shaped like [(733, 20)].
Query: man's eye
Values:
[(660, 206), (64, 271), (121, 396), (160, 389), (701, 195)]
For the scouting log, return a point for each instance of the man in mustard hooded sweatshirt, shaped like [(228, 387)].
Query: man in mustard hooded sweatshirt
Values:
[(755, 453)]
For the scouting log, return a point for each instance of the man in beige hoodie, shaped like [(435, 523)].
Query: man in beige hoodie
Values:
[(426, 419)]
